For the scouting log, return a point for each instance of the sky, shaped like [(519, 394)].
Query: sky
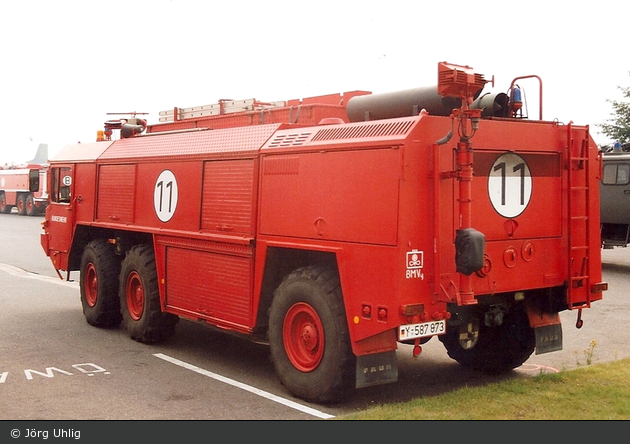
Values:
[(67, 65)]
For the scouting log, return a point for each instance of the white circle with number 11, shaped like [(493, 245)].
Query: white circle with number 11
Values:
[(510, 185), (165, 195)]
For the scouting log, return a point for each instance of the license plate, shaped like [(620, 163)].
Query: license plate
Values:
[(413, 331)]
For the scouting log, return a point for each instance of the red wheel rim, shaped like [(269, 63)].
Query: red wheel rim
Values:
[(135, 296), (303, 336), (91, 285)]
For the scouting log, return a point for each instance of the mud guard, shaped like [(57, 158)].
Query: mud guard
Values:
[(547, 328), (376, 369)]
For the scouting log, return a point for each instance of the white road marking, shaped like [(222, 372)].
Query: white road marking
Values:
[(16, 271), (264, 394)]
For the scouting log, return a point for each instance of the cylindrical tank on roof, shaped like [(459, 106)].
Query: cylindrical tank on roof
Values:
[(492, 105), (400, 104)]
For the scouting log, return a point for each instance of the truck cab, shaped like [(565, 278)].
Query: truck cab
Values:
[(615, 196)]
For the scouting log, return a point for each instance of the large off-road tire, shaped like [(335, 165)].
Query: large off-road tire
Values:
[(497, 349), (100, 268), (20, 203), (308, 336), (140, 299), (4, 208), (31, 209)]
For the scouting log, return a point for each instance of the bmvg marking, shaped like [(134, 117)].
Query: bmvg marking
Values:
[(414, 263)]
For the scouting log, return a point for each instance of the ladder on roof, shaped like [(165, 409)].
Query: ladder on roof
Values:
[(579, 209), (223, 107)]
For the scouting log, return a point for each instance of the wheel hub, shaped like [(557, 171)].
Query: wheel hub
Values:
[(468, 335), (309, 337)]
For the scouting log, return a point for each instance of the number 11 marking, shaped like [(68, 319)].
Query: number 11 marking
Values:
[(169, 185), (510, 185), (165, 195)]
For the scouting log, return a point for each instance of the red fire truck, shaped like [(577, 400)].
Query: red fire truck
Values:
[(334, 228), (23, 188)]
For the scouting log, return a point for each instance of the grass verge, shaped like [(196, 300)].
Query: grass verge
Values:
[(594, 392)]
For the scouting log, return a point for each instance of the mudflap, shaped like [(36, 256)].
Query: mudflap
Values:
[(376, 369), (548, 338), (547, 328)]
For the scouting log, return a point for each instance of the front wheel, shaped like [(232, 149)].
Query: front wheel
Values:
[(308, 336), (140, 298), (99, 284)]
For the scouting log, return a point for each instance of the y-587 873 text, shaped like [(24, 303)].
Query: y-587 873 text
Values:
[(413, 331)]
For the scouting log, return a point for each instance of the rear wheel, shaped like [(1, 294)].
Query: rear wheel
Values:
[(492, 349), (31, 209), (308, 336), (140, 298), (98, 283), (21, 204)]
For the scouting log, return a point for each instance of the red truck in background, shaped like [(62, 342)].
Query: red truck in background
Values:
[(336, 227), (16, 190)]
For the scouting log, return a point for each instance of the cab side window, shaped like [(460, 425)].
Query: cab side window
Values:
[(616, 174), (61, 182)]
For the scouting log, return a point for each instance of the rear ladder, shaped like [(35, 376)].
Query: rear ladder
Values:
[(579, 209)]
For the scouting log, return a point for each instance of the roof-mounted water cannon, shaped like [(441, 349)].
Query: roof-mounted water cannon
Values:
[(459, 81), (129, 127)]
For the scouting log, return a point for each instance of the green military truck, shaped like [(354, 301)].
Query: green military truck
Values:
[(615, 196)]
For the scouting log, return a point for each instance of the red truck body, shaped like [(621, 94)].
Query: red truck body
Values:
[(335, 240), (15, 191)]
